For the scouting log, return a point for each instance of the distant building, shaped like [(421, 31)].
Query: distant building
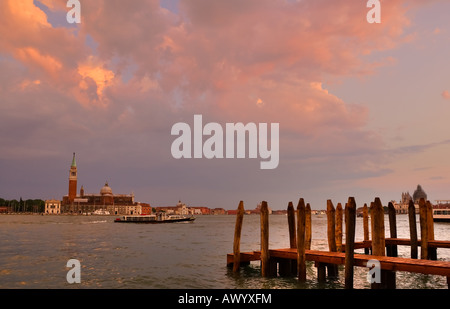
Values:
[(218, 211), (52, 207), (105, 200), (402, 207), (146, 209), (257, 210), (183, 209), (418, 194)]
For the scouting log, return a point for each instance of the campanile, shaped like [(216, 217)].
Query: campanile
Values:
[(73, 180)]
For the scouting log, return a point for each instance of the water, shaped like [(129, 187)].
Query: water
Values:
[(35, 249)]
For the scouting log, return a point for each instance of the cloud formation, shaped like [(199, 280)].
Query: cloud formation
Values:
[(132, 69)]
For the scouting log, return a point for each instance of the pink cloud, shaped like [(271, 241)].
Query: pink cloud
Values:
[(446, 95), (235, 60)]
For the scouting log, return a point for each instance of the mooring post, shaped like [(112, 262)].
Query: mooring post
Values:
[(308, 227), (339, 219), (331, 233), (412, 229), (291, 225), (301, 257), (378, 238), (237, 237), (292, 236), (265, 267), (432, 252), (423, 229), (366, 226), (350, 224), (392, 249)]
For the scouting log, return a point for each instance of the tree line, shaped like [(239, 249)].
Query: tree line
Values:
[(29, 205)]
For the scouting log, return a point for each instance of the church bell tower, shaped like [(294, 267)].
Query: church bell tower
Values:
[(73, 180)]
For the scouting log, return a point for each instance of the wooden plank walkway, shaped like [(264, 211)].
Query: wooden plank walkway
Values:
[(441, 268), (445, 244), (291, 261)]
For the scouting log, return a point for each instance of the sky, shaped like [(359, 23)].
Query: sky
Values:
[(363, 108)]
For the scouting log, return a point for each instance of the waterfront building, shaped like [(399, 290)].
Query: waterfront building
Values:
[(52, 207), (402, 207), (183, 209), (418, 194), (179, 209), (105, 200)]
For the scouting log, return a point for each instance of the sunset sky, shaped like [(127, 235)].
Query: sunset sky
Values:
[(363, 109)]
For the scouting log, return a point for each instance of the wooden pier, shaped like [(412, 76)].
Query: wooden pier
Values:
[(291, 261)]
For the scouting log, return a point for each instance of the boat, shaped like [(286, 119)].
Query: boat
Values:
[(441, 214), (154, 218)]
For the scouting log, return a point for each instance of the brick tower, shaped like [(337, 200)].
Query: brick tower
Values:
[(73, 180)]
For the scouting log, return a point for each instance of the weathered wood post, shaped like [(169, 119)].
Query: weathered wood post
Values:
[(412, 229), (366, 226), (392, 249), (350, 224), (423, 229), (301, 257), (291, 225), (331, 233), (265, 267), (308, 227), (432, 252), (237, 237), (289, 267), (378, 238), (339, 219)]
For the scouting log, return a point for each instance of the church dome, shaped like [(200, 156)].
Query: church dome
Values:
[(106, 190), (419, 193)]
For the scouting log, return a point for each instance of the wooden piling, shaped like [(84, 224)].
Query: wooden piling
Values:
[(331, 226), (366, 226), (338, 233), (265, 267), (331, 233), (321, 272), (301, 257), (350, 223), (412, 229), (432, 252), (292, 237), (378, 238), (237, 237), (392, 249), (377, 220), (291, 225), (308, 227), (423, 229)]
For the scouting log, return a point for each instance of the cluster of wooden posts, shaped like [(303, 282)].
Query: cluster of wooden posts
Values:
[(292, 261)]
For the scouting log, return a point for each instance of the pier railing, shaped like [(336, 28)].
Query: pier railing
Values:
[(292, 261)]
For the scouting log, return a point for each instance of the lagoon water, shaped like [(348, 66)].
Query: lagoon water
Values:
[(35, 249)]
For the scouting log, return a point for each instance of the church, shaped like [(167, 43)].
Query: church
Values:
[(105, 200)]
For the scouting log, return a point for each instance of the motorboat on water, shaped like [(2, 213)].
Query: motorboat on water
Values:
[(153, 218)]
